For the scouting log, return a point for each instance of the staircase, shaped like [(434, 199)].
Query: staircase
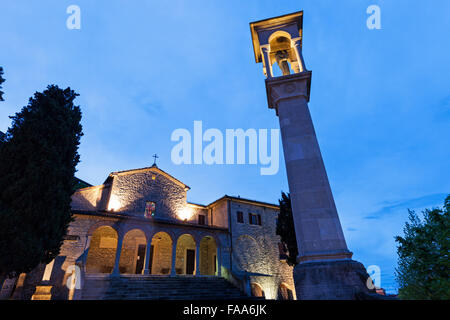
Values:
[(147, 287)]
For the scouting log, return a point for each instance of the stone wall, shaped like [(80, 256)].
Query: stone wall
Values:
[(91, 198), (255, 248), (219, 213), (130, 191)]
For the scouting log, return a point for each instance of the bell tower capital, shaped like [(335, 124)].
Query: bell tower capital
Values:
[(279, 40)]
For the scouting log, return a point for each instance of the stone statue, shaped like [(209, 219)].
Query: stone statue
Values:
[(282, 58)]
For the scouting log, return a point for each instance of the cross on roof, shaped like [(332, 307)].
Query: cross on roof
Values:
[(156, 157)]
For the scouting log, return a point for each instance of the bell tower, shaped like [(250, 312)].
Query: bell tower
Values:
[(325, 269)]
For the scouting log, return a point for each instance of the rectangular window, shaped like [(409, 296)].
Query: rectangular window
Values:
[(240, 217), (201, 219), (254, 219)]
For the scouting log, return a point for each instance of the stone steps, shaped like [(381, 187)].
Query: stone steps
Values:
[(139, 287)]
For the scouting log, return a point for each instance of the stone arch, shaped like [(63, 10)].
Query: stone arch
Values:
[(284, 292), (132, 256), (281, 48), (98, 224), (247, 255), (160, 261), (214, 236), (257, 290), (127, 227), (186, 247), (102, 250), (279, 34), (208, 256)]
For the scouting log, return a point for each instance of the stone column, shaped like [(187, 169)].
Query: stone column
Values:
[(42, 293), (147, 257), (116, 271), (174, 258), (325, 269), (297, 45), (197, 258), (86, 251), (48, 271), (219, 262), (265, 53)]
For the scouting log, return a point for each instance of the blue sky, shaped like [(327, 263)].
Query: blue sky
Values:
[(380, 99)]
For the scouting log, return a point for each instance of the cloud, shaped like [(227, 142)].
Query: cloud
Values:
[(414, 203)]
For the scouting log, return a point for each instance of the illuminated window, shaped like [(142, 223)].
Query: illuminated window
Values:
[(150, 209)]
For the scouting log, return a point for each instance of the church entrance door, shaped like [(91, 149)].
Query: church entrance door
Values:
[(140, 258), (190, 261)]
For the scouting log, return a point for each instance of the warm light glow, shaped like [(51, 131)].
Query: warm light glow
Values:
[(114, 204), (48, 271), (185, 214)]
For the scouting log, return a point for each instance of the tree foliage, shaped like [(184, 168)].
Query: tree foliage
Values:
[(1, 81), (423, 255), (37, 167), (286, 229)]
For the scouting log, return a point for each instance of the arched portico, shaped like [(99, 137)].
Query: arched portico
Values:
[(160, 259), (133, 252), (257, 290), (102, 250), (284, 292), (131, 249), (186, 255), (208, 256)]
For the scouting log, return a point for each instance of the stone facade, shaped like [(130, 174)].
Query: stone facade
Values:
[(112, 235)]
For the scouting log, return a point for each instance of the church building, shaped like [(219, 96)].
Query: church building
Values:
[(138, 229)]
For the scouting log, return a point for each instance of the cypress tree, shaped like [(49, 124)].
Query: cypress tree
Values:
[(286, 229), (37, 167), (1, 81)]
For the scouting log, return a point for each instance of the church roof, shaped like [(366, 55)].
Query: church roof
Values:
[(248, 201), (153, 168)]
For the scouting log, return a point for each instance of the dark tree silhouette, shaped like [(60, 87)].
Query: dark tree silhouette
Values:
[(37, 167), (1, 81), (423, 270), (285, 228)]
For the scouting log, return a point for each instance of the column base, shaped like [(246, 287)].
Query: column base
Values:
[(42, 293), (332, 280)]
